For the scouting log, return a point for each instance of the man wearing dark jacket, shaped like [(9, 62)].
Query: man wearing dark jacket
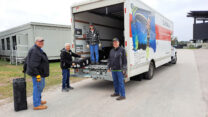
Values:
[(93, 42), (38, 68), (117, 63), (66, 62)]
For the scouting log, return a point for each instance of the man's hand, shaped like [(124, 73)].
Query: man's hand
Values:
[(38, 77), (73, 64), (109, 70), (124, 72), (88, 46), (100, 44)]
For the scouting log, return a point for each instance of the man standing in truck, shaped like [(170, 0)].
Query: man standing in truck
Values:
[(93, 42), (117, 64)]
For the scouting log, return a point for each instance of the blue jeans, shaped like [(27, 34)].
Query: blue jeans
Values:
[(94, 53), (37, 90), (65, 79), (118, 82)]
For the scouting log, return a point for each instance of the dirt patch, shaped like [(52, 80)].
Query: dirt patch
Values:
[(1, 85), (5, 101)]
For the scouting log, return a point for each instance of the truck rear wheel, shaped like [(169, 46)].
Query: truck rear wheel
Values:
[(149, 75)]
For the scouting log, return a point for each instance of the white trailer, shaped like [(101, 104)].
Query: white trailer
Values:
[(143, 32), (15, 42)]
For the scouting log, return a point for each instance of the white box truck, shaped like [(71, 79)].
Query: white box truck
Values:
[(143, 32)]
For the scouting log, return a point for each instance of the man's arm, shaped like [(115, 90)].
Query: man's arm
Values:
[(109, 61), (75, 55), (98, 36), (25, 65), (124, 60), (87, 38), (62, 56)]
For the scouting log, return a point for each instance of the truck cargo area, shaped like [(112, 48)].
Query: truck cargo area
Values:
[(109, 22)]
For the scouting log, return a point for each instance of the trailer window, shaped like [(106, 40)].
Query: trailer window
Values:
[(8, 43), (2, 44), (14, 42)]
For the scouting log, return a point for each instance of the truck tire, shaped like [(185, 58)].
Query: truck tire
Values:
[(174, 61), (149, 75)]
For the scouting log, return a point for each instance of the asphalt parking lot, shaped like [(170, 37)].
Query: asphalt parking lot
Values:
[(179, 90)]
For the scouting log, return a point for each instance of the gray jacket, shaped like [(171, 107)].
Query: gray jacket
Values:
[(117, 59)]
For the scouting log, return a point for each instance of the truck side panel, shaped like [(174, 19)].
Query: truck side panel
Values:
[(149, 38)]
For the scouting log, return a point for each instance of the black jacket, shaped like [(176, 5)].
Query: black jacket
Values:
[(37, 62), (117, 59), (66, 58), (93, 37)]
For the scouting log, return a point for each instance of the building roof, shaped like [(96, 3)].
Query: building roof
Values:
[(198, 14), (28, 26), (48, 24), (37, 24)]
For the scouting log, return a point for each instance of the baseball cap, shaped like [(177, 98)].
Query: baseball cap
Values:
[(39, 39), (91, 24), (115, 39)]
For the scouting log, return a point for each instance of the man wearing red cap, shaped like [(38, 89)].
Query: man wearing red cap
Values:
[(93, 42)]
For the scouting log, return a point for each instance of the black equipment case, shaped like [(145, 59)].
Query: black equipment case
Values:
[(19, 93)]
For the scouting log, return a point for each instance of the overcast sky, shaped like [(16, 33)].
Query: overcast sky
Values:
[(17, 12)]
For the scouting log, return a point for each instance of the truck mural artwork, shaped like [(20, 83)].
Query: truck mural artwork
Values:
[(142, 29), (144, 33)]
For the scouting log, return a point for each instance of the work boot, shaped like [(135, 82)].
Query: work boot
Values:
[(43, 102), (41, 107), (121, 98), (65, 90), (97, 63), (70, 88), (93, 63), (114, 95)]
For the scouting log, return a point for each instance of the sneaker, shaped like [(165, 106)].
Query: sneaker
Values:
[(41, 107), (65, 90), (70, 88), (121, 98), (114, 95)]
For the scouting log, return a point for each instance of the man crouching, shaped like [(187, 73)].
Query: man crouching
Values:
[(66, 62)]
